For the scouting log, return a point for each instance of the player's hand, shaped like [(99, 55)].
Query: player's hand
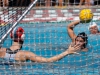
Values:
[(74, 48)]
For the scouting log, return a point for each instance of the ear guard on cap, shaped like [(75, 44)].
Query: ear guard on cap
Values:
[(17, 34), (23, 36), (93, 24)]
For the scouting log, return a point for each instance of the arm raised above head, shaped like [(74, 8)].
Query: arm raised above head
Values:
[(70, 29)]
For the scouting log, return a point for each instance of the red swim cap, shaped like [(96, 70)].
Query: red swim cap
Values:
[(17, 34)]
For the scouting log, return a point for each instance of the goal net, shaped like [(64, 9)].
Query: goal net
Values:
[(45, 24)]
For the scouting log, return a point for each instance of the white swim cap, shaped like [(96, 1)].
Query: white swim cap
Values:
[(93, 24)]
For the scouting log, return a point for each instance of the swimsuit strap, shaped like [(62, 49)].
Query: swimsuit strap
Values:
[(8, 50)]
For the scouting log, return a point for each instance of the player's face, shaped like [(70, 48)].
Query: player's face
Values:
[(79, 41), (93, 30)]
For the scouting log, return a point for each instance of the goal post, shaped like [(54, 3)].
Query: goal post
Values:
[(19, 19)]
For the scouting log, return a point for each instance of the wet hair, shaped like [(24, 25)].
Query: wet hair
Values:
[(83, 35), (21, 42)]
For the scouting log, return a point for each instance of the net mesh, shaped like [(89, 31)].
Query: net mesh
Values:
[(47, 36)]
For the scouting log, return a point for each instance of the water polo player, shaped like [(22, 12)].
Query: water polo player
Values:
[(15, 52), (93, 28), (81, 39)]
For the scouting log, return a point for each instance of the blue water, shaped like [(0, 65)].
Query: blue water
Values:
[(49, 39)]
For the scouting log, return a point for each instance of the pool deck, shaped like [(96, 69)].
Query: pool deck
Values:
[(44, 14)]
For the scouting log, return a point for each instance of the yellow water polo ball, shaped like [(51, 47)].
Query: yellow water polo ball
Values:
[(86, 15)]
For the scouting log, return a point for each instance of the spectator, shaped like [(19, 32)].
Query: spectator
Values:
[(86, 2), (38, 2), (60, 2), (4, 3), (47, 2), (92, 2)]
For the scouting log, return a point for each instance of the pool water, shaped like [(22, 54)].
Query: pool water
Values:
[(49, 39)]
